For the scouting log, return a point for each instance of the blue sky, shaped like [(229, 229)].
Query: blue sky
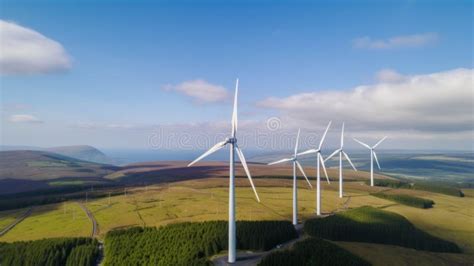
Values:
[(123, 55)]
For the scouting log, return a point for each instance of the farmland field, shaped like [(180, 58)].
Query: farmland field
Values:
[(51, 221)]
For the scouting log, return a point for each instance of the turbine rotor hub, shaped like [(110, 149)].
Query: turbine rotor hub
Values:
[(232, 140)]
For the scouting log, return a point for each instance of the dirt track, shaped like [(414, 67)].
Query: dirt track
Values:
[(95, 227), (17, 221)]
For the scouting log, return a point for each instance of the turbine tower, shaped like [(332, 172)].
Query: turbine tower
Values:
[(372, 156), (234, 148), (294, 159), (341, 152), (319, 160)]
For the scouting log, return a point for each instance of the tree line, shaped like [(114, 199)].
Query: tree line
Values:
[(11, 202), (50, 252), (190, 243), (436, 187), (408, 200), (368, 224)]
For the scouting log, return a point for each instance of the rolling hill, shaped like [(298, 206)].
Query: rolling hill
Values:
[(26, 170), (82, 152)]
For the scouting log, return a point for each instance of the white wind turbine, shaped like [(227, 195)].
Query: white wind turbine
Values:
[(294, 159), (232, 140), (372, 156), (341, 152), (319, 160)]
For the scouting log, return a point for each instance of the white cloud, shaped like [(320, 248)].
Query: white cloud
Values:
[(431, 104), (24, 118), (415, 40), (389, 75), (25, 51), (200, 90)]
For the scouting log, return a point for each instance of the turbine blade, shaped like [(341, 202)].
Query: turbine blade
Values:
[(342, 135), (332, 154), (324, 168), (304, 174), (380, 141), (214, 148), (324, 135), (307, 152), (377, 160), (234, 111), (244, 164), (281, 161), (349, 160), (297, 142), (362, 143)]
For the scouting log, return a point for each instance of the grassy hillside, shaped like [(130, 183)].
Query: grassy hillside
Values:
[(39, 165), (386, 255), (372, 225), (31, 170), (55, 220), (313, 251)]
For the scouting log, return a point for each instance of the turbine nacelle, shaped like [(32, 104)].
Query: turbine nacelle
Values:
[(231, 140)]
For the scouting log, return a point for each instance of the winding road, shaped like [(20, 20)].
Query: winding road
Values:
[(95, 227)]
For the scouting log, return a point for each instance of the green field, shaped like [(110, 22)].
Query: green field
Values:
[(51, 221), (206, 199), (8, 217)]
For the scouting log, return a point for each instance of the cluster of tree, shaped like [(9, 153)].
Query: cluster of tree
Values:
[(408, 200), (50, 252), (390, 183), (313, 251), (190, 243), (441, 188), (437, 187), (368, 224), (11, 202)]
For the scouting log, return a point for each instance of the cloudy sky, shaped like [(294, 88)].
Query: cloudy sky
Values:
[(156, 75)]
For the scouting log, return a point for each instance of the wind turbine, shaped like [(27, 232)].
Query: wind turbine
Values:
[(341, 152), (372, 156), (234, 148), (294, 159), (319, 160)]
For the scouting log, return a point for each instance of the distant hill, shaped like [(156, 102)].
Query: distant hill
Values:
[(41, 165), (82, 152)]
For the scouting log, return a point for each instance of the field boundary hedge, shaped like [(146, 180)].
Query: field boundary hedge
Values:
[(407, 200)]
